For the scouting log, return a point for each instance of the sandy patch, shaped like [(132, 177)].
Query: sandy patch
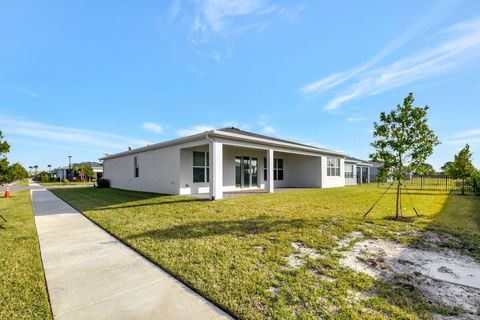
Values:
[(442, 276), (298, 258)]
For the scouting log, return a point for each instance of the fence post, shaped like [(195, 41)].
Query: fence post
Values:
[(421, 182)]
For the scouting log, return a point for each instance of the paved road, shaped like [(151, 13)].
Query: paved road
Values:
[(92, 275)]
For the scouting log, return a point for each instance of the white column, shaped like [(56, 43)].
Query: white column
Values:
[(270, 181), (361, 175), (216, 170), (368, 174)]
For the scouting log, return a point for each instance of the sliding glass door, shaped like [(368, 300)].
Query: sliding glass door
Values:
[(246, 172)]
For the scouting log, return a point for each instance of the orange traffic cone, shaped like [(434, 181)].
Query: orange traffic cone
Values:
[(7, 192)]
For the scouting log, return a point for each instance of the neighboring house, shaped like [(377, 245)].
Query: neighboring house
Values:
[(64, 172), (224, 160), (358, 171)]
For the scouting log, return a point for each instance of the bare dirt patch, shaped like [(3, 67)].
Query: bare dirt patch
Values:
[(442, 276)]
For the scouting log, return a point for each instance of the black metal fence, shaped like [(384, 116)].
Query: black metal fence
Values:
[(440, 182)]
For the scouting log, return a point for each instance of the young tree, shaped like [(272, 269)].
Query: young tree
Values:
[(462, 166), (402, 142), (4, 149)]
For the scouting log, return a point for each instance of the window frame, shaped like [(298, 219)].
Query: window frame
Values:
[(277, 170), (205, 167), (333, 167), (349, 174), (136, 167)]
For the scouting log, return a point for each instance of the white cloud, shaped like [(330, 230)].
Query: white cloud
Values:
[(263, 123), (29, 92), (15, 126), (151, 126), (355, 119), (194, 130), (459, 47), (175, 9), (468, 133)]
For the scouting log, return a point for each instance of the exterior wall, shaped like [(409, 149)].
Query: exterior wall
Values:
[(353, 180), (187, 186), (159, 171), (304, 171), (336, 181)]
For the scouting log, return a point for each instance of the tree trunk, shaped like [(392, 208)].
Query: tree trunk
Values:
[(398, 201), (463, 186)]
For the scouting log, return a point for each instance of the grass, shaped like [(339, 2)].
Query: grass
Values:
[(79, 183), (233, 251), (22, 284)]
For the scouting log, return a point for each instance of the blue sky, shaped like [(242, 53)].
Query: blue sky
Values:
[(84, 78)]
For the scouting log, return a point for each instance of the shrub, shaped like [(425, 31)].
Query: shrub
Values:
[(44, 178), (65, 181), (103, 183)]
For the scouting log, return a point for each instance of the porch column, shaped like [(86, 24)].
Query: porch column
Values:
[(368, 174), (216, 170), (361, 175), (270, 181)]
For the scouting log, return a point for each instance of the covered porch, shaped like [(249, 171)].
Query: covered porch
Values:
[(222, 169)]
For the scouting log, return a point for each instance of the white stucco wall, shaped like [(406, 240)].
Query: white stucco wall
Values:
[(335, 181), (159, 171)]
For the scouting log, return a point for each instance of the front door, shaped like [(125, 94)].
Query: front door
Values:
[(246, 172)]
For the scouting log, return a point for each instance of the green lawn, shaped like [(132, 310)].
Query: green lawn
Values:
[(70, 184), (233, 251), (23, 292)]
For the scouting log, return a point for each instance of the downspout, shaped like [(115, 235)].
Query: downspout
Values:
[(211, 169)]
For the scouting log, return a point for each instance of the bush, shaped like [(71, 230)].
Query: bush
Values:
[(44, 178), (103, 183), (65, 181)]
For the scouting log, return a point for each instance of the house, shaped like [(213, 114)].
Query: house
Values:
[(358, 171), (226, 160), (64, 172)]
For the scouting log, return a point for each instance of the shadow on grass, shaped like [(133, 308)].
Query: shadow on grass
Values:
[(236, 228), (94, 199)]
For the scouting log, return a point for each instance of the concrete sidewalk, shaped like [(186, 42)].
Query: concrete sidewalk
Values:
[(92, 275)]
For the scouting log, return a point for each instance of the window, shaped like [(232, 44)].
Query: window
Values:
[(201, 170), (333, 167), (265, 169), (136, 167), (349, 171), (277, 169)]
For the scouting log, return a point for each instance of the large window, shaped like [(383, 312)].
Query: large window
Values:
[(136, 167), (201, 171), (277, 169), (349, 171), (333, 167)]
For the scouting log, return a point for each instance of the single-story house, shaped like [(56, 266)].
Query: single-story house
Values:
[(64, 172), (358, 171), (226, 160)]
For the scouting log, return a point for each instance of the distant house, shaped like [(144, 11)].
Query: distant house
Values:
[(64, 172), (358, 171), (227, 160)]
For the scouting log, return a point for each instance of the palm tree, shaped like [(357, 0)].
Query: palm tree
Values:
[(35, 167), (30, 167)]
